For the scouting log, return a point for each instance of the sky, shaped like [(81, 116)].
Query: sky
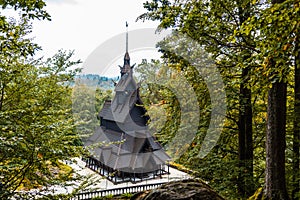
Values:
[(84, 25)]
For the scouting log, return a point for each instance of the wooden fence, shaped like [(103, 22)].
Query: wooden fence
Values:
[(115, 191)]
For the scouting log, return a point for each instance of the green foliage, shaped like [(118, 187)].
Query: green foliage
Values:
[(36, 121), (110, 196), (127, 195), (97, 198), (86, 105), (172, 99), (277, 25), (37, 128), (101, 96), (156, 99), (240, 35), (33, 9)]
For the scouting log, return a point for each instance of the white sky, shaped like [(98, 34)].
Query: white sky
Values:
[(83, 25)]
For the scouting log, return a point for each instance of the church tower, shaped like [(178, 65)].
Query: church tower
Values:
[(127, 151)]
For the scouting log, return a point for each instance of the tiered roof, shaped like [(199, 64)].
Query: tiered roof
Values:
[(125, 143)]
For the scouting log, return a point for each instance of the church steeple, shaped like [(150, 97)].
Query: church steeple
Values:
[(126, 67), (126, 37)]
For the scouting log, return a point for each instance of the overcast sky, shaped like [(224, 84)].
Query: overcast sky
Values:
[(83, 25)]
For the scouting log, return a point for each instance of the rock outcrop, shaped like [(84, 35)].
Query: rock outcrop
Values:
[(191, 189)]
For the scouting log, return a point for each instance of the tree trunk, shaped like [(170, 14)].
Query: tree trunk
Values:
[(296, 138), (275, 142), (245, 182), (275, 188), (245, 185)]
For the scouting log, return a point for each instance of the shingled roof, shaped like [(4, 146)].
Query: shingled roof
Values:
[(123, 141), (127, 151)]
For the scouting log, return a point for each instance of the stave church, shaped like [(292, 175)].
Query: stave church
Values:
[(125, 149)]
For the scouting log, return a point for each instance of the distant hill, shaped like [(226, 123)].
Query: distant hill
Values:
[(94, 80)]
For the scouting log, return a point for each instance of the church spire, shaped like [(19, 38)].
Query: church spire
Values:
[(126, 57), (126, 67), (126, 37)]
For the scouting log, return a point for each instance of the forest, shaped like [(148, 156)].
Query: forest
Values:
[(229, 74)]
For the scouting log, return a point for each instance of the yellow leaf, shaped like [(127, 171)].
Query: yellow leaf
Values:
[(285, 47)]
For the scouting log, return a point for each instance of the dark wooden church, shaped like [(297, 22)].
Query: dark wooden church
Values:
[(127, 151)]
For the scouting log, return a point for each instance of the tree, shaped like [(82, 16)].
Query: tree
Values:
[(87, 102), (172, 104), (276, 133), (275, 142), (212, 24), (296, 137), (254, 44), (37, 127), (245, 114), (27, 9), (278, 27), (36, 122)]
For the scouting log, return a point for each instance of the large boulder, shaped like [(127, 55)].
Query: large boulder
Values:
[(190, 189)]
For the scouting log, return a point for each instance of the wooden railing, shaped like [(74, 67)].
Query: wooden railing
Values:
[(115, 191)]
